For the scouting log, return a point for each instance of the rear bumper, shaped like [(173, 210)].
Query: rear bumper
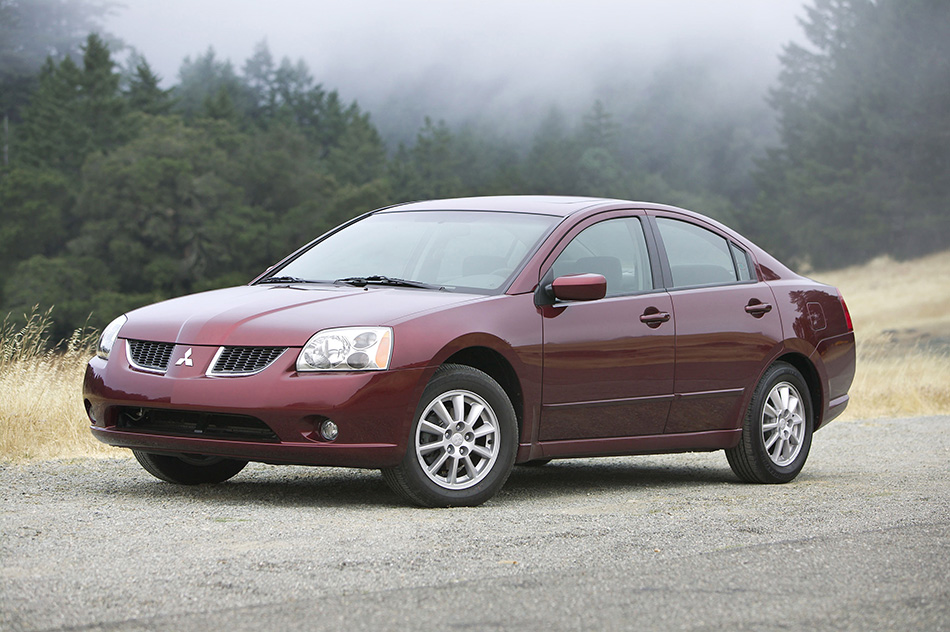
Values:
[(835, 408), (373, 410), (838, 360)]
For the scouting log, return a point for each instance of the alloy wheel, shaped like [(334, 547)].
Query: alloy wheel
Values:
[(783, 424), (457, 439)]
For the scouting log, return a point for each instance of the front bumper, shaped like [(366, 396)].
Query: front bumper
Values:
[(372, 409)]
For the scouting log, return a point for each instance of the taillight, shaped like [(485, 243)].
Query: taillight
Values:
[(847, 314)]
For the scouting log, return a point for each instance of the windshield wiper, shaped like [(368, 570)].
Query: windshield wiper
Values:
[(283, 279), (384, 280)]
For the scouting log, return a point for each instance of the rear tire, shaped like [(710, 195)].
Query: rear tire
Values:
[(189, 469), (777, 431), (462, 443)]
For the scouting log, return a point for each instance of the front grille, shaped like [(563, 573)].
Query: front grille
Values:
[(232, 361), (187, 423), (150, 356)]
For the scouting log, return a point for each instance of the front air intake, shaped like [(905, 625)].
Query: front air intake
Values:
[(189, 423)]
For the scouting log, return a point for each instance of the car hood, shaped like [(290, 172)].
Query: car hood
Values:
[(278, 315)]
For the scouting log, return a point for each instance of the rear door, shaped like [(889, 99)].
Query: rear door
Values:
[(726, 324)]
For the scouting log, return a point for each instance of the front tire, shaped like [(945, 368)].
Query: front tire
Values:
[(189, 469), (462, 443), (777, 431)]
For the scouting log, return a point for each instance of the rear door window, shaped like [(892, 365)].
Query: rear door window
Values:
[(697, 256)]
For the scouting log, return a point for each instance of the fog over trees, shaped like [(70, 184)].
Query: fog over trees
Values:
[(119, 188)]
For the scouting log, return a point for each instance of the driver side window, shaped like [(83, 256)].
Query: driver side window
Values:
[(615, 249)]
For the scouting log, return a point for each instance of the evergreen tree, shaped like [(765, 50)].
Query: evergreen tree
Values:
[(204, 81), (74, 112), (599, 129), (402, 175), (693, 129), (598, 167), (52, 134), (329, 120), (33, 30), (220, 106), (863, 112), (432, 165), (358, 156), (76, 287), (165, 211), (144, 93), (552, 161), (488, 164), (260, 77), (278, 169), (299, 100), (33, 221), (101, 104)]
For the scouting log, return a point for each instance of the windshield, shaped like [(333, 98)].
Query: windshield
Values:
[(466, 250)]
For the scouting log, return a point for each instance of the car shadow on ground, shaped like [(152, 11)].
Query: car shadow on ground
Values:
[(282, 487), (612, 475), (297, 486)]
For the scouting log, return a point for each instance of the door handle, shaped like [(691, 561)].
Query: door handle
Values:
[(758, 309), (654, 319)]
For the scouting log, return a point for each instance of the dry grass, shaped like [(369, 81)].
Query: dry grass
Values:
[(899, 383), (901, 313), (41, 409)]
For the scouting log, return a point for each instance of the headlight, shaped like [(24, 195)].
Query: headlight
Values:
[(108, 337), (347, 349)]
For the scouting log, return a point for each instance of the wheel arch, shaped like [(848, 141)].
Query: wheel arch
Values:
[(497, 367), (812, 380)]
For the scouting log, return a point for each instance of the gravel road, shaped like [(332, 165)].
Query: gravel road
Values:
[(860, 541)]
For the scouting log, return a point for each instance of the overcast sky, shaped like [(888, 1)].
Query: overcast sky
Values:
[(501, 51)]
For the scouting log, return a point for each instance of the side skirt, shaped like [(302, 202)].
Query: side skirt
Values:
[(649, 444)]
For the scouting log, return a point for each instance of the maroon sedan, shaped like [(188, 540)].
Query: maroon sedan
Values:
[(445, 341)]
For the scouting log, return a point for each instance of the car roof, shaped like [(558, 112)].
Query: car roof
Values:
[(558, 206)]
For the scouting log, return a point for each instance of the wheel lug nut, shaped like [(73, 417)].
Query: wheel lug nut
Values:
[(463, 451), (459, 426), (450, 449), (469, 436)]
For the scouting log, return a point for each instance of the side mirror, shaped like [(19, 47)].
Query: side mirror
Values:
[(580, 287)]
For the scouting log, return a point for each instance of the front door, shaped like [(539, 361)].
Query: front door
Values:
[(608, 363)]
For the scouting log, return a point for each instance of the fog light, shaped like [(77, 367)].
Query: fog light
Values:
[(328, 430)]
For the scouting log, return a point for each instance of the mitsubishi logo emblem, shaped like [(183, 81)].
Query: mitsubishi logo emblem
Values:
[(185, 359)]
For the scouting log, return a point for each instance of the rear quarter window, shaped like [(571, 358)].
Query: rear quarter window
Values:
[(744, 267)]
